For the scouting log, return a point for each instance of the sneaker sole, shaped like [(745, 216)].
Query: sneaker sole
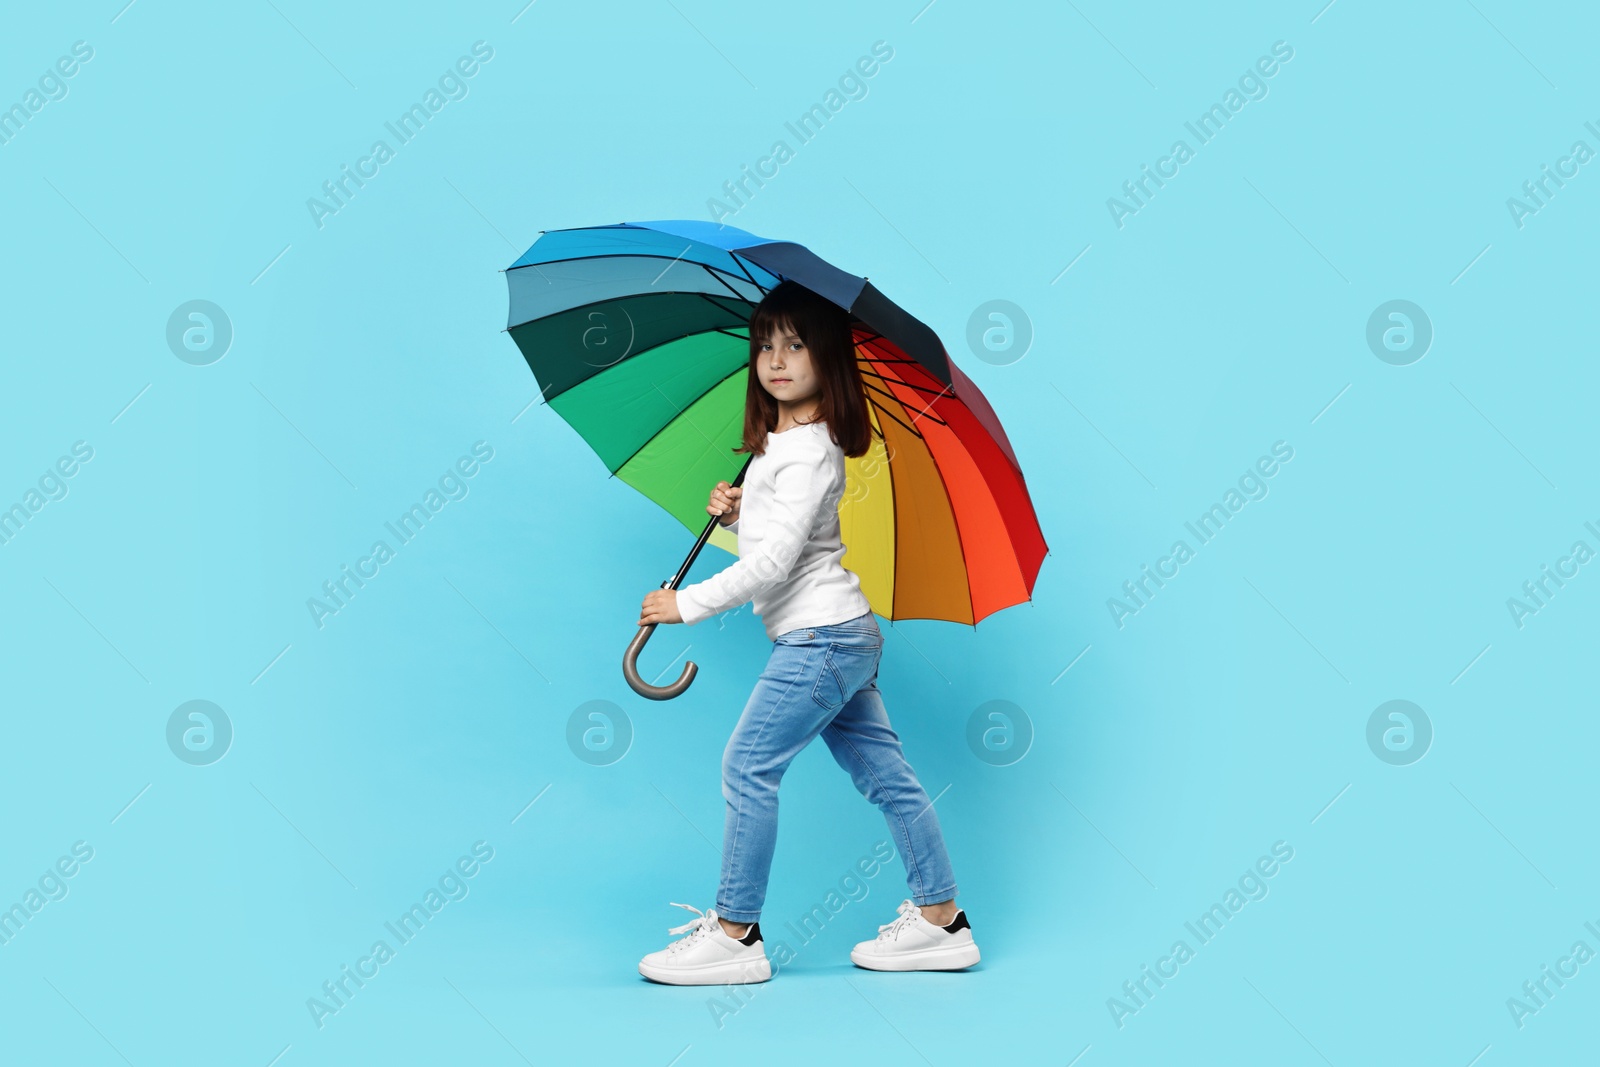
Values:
[(949, 958), (738, 972)]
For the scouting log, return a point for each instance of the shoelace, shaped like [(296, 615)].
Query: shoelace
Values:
[(909, 913), (697, 928)]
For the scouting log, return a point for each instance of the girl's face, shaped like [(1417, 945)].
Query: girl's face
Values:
[(784, 365)]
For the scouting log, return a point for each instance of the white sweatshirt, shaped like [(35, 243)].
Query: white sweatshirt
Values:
[(789, 547)]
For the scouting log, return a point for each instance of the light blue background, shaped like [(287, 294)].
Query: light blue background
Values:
[(1228, 314)]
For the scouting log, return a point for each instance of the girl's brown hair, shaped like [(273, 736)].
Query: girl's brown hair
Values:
[(825, 327)]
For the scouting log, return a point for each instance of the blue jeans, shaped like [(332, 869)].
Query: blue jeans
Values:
[(821, 679)]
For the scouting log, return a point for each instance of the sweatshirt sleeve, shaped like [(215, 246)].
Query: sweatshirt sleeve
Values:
[(800, 492)]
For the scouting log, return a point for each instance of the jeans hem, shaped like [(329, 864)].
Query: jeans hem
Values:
[(734, 915), (931, 898)]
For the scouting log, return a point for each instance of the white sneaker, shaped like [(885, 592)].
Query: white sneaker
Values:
[(708, 956), (912, 943)]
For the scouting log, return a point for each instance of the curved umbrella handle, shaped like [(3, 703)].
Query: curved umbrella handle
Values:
[(630, 670)]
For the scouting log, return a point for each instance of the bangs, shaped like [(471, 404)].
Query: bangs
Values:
[(791, 308), (771, 322), (826, 330)]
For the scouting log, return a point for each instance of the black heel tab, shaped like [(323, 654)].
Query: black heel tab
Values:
[(751, 935), (958, 924)]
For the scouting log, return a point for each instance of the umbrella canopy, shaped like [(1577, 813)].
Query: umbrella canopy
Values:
[(638, 335)]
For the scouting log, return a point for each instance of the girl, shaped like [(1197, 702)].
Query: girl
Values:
[(805, 410)]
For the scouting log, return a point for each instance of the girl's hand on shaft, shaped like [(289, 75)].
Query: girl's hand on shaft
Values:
[(725, 503), (660, 605)]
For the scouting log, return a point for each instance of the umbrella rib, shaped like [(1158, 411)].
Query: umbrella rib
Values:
[(708, 298), (867, 342), (931, 418), (924, 413), (740, 263), (691, 403), (909, 428), (724, 281), (890, 359), (902, 381), (899, 404), (643, 255)]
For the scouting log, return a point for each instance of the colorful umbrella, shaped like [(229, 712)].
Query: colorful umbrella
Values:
[(638, 335)]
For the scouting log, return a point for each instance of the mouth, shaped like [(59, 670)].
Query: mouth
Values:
[(780, 381)]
